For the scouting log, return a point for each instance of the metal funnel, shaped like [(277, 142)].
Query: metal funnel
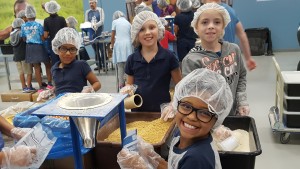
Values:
[(87, 129)]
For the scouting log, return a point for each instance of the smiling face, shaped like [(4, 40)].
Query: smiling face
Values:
[(210, 26), (67, 53), (191, 128), (148, 35)]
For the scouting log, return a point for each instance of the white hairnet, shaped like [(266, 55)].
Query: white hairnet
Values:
[(30, 11), (17, 23), (65, 36), (163, 21), (71, 21), (162, 3), (184, 5), (93, 1), (141, 8), (117, 15), (211, 6), (208, 86), (196, 4), (21, 14), (140, 19), (52, 7)]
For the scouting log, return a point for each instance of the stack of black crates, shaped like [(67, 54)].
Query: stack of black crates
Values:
[(291, 99)]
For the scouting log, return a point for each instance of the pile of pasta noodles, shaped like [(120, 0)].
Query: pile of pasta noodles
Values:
[(151, 131)]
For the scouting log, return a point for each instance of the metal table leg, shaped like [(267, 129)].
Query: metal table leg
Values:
[(76, 145), (122, 121), (7, 72)]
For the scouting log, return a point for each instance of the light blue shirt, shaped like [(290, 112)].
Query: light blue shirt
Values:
[(32, 31), (122, 47), (230, 28)]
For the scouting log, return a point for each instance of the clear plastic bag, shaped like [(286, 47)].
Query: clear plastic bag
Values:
[(129, 89)]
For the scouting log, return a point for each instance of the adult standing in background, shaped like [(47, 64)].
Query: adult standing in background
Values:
[(121, 44), (18, 6), (186, 37), (235, 27), (52, 25), (96, 14)]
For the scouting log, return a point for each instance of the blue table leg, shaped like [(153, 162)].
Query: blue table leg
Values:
[(76, 145), (122, 121)]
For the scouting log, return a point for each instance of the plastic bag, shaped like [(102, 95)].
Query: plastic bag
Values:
[(167, 111), (129, 89), (144, 158), (221, 133)]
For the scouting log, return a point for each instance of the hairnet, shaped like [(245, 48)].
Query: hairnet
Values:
[(184, 5), (141, 8), (21, 14), (140, 19), (196, 4), (65, 36), (93, 1), (208, 86), (71, 20), (117, 15), (163, 21), (52, 7), (17, 23), (211, 6), (30, 11), (162, 3)]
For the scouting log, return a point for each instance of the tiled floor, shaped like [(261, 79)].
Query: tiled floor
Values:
[(261, 96)]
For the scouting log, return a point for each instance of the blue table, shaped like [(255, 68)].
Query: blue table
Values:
[(105, 113)]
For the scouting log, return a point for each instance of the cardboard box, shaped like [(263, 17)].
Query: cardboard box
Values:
[(15, 96), (106, 152), (68, 162)]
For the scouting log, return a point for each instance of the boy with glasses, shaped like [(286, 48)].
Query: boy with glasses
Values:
[(203, 99)]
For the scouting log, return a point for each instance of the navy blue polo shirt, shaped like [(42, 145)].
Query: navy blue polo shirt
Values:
[(153, 78), (183, 21), (71, 78)]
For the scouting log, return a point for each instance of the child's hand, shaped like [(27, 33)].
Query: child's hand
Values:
[(19, 156), (17, 133), (130, 159), (167, 111), (88, 89), (128, 89), (244, 110)]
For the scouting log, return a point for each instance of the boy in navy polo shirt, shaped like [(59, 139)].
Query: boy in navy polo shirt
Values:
[(150, 66), (202, 99)]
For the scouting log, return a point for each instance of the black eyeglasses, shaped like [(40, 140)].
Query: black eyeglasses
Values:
[(203, 115), (71, 50)]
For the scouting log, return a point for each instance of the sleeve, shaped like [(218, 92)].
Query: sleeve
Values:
[(22, 34), (86, 16), (86, 69), (170, 36), (129, 64), (46, 27), (174, 63), (101, 21), (176, 20), (188, 65), (113, 25), (241, 95)]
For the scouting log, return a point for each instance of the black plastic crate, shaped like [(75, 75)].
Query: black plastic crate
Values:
[(6, 49), (257, 38), (292, 89), (291, 104), (291, 119), (241, 160)]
